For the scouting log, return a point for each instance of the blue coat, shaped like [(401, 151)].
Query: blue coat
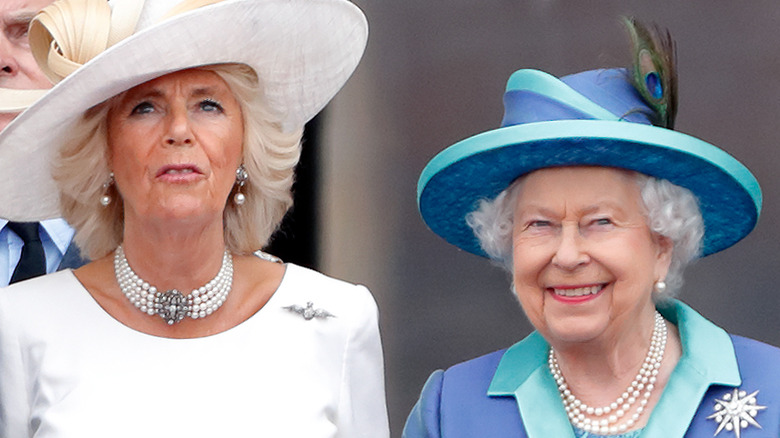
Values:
[(510, 393)]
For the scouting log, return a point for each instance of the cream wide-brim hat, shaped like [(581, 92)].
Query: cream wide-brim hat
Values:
[(303, 51)]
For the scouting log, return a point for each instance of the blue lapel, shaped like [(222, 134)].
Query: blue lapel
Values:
[(72, 258), (708, 359)]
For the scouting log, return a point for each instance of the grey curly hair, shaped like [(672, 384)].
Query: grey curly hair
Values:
[(269, 156), (670, 210)]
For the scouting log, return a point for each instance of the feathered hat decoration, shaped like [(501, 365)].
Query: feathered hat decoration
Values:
[(654, 70), (620, 118)]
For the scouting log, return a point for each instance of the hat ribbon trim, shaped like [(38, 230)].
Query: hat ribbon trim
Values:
[(68, 33), (554, 89)]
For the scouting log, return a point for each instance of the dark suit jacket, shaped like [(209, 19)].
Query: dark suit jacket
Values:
[(72, 258)]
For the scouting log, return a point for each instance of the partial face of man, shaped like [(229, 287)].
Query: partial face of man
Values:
[(18, 69)]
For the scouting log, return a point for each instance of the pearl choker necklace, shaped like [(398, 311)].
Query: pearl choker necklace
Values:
[(605, 419), (172, 305)]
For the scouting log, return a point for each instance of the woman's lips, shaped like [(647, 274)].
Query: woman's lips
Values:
[(576, 294), (179, 173)]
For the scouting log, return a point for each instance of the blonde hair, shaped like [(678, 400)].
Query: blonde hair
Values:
[(269, 156)]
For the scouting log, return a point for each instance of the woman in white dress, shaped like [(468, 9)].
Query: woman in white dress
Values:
[(173, 138)]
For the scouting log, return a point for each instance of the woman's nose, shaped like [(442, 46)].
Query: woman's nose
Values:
[(8, 64), (179, 128), (570, 253)]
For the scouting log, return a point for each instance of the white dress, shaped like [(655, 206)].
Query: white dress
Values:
[(68, 369)]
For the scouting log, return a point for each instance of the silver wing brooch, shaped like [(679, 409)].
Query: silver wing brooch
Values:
[(309, 312)]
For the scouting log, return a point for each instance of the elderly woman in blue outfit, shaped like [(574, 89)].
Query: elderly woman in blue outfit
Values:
[(595, 206)]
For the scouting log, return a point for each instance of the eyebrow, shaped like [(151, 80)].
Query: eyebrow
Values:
[(588, 209), (614, 206), (155, 92), (534, 209), (20, 18), (204, 91)]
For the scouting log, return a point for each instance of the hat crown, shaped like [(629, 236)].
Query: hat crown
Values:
[(151, 12), (607, 94), (155, 11)]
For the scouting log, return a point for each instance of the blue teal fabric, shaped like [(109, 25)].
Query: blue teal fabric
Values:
[(533, 96), (511, 393), (579, 433), (593, 118)]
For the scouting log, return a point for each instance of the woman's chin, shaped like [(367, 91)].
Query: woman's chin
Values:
[(183, 209), (578, 329)]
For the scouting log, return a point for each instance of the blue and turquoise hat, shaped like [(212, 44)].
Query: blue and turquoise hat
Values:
[(593, 118)]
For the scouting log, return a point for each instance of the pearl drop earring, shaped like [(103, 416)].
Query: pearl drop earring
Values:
[(241, 178), (105, 199)]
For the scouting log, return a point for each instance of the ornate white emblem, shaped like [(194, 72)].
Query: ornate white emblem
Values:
[(309, 312), (736, 411)]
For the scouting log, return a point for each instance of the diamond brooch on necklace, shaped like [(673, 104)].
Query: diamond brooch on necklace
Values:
[(171, 305)]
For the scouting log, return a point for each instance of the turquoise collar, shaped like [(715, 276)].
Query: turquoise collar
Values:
[(707, 358)]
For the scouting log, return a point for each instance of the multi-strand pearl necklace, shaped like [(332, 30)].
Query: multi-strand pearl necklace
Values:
[(604, 420), (172, 305)]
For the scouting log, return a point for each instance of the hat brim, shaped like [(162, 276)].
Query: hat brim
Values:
[(302, 50), (482, 166)]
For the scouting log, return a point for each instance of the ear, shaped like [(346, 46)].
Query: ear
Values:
[(665, 248)]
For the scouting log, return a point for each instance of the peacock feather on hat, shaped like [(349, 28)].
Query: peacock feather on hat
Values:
[(654, 71)]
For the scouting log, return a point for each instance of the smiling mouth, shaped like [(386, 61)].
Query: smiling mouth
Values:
[(578, 291)]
